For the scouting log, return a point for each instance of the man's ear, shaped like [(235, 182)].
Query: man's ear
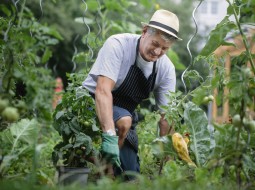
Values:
[(145, 28)]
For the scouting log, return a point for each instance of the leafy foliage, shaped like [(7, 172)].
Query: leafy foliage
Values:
[(23, 132), (26, 89), (224, 152), (196, 121), (23, 154), (25, 47), (75, 120), (217, 36)]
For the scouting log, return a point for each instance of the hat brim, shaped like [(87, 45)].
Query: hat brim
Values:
[(162, 29)]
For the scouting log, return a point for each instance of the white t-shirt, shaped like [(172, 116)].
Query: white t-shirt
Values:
[(145, 66), (116, 57)]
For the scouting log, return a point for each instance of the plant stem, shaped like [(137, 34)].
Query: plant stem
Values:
[(21, 12), (243, 37), (9, 72)]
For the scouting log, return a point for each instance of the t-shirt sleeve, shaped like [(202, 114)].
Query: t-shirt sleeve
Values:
[(109, 60), (166, 84)]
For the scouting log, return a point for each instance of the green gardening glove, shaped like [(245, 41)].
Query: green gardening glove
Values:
[(110, 149)]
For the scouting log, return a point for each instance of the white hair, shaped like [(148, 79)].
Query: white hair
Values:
[(165, 36)]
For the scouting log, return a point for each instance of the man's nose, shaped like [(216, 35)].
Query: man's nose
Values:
[(157, 51)]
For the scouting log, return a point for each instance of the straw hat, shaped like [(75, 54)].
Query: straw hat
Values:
[(165, 21)]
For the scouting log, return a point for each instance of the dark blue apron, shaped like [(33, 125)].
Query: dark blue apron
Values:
[(135, 87)]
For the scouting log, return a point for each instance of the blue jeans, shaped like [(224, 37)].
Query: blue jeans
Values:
[(128, 156)]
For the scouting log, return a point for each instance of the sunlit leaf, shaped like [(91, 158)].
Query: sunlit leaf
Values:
[(25, 130), (196, 120), (217, 36)]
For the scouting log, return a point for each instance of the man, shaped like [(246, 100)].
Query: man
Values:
[(127, 69)]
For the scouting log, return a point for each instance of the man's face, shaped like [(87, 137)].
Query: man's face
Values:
[(153, 46)]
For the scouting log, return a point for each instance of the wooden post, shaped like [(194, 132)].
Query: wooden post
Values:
[(226, 91), (228, 52)]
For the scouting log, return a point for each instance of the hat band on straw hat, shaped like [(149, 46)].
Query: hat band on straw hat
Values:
[(164, 26)]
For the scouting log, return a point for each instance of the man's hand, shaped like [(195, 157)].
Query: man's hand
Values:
[(110, 149), (165, 127)]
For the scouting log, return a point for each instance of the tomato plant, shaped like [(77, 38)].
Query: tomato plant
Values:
[(75, 121)]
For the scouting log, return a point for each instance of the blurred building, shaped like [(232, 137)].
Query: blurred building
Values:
[(209, 14)]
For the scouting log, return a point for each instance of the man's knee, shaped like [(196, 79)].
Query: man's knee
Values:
[(124, 124)]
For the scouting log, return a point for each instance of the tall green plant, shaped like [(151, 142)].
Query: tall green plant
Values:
[(75, 121), (226, 149), (26, 88), (234, 148), (25, 49)]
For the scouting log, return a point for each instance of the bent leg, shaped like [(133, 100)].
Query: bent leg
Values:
[(123, 121), (129, 162)]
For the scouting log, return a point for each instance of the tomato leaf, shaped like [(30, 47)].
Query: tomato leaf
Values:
[(217, 37)]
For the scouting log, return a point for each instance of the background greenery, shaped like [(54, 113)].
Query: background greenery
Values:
[(42, 40)]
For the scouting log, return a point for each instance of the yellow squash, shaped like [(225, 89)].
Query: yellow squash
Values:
[(181, 147)]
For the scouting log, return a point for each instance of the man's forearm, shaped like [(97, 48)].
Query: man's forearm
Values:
[(104, 110)]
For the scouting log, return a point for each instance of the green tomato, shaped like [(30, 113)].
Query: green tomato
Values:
[(79, 152), (236, 120), (251, 126), (86, 123), (245, 122), (210, 98), (205, 100), (10, 114), (247, 72), (3, 104), (21, 105)]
